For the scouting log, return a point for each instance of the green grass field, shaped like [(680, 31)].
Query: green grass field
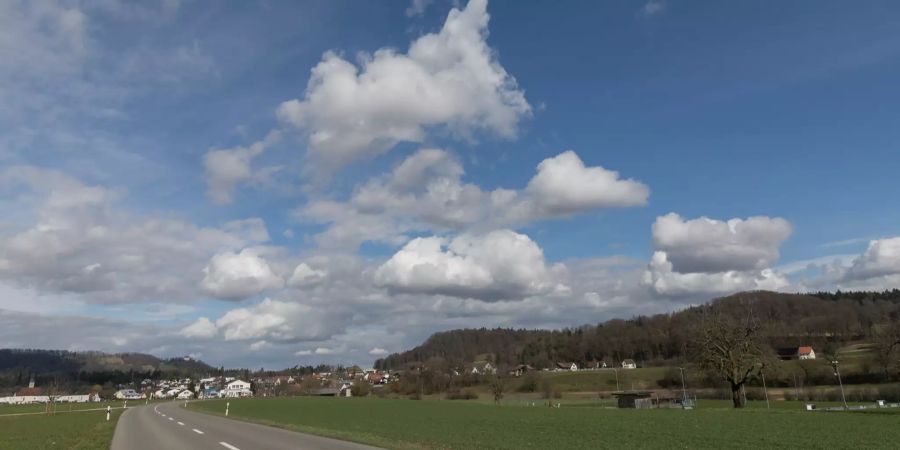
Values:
[(605, 380), (64, 430), (465, 425)]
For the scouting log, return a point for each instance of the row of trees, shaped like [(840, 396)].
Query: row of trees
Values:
[(790, 319)]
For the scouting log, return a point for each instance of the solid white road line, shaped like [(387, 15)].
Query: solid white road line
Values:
[(197, 431), (228, 446), (181, 423)]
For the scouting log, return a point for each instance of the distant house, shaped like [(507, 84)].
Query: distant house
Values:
[(567, 366), (520, 370), (128, 394), (806, 353), (78, 398), (185, 395), (788, 353), (482, 368), (236, 388), (628, 364)]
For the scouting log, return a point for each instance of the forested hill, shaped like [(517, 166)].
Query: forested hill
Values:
[(17, 366), (790, 319)]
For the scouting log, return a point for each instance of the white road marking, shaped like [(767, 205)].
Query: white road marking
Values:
[(181, 423), (197, 431), (228, 446), (164, 415), (171, 418)]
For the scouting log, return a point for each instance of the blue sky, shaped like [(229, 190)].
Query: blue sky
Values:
[(330, 181)]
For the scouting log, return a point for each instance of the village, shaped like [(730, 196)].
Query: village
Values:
[(341, 382)]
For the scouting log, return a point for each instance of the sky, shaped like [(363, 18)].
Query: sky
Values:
[(274, 183)]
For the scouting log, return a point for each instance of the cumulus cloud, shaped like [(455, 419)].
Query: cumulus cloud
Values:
[(236, 276), (882, 257), (653, 7), (64, 236), (277, 321), (449, 79), (708, 245), (378, 351), (661, 277), (501, 264), (304, 275), (201, 328), (226, 168), (426, 193), (708, 256), (563, 186)]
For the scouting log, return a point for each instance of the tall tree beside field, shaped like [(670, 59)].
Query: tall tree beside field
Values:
[(886, 340), (729, 347)]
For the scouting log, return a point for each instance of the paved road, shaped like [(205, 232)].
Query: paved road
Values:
[(167, 426)]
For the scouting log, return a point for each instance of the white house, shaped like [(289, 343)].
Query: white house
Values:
[(80, 398), (185, 395), (806, 353), (172, 392), (236, 388), (128, 394), (628, 364), (567, 366)]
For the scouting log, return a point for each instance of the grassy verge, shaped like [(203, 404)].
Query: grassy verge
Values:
[(64, 430), (464, 425)]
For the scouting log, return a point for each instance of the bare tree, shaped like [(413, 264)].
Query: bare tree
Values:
[(886, 337), (498, 386), (729, 348)]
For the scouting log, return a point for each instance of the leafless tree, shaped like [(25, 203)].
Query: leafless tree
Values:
[(729, 347)]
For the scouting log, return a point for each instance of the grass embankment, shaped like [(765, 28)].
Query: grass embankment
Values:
[(63, 430), (464, 425)]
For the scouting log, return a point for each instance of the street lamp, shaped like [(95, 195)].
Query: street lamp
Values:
[(837, 373)]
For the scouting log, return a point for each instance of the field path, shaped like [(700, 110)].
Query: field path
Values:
[(166, 426)]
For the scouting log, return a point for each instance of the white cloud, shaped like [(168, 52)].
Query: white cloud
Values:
[(64, 236), (304, 275), (661, 277), (226, 168), (563, 186), (653, 7), (324, 351), (714, 257), (882, 257), (236, 276), (425, 193), (278, 321), (450, 79), (708, 245), (303, 353), (378, 351), (417, 7), (501, 264), (201, 328)]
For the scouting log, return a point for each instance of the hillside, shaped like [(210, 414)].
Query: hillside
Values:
[(820, 319), (61, 367)]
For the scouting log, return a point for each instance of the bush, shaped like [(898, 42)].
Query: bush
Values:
[(360, 389)]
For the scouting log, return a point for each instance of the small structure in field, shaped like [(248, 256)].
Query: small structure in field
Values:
[(629, 399), (570, 366), (628, 364)]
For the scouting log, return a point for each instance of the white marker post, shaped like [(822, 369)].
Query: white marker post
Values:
[(226, 408), (125, 405), (107, 413)]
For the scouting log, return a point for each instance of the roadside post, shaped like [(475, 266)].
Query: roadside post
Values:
[(107, 413), (227, 404)]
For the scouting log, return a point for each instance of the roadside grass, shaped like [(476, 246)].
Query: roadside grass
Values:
[(65, 407), (406, 424), (64, 430)]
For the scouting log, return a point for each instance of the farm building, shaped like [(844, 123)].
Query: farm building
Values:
[(628, 364)]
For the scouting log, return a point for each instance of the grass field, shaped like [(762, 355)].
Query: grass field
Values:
[(64, 430), (465, 425), (605, 380)]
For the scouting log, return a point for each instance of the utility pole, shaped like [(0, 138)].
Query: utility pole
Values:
[(837, 373), (766, 391), (683, 388)]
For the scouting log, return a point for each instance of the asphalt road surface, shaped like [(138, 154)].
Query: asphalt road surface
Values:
[(168, 426)]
